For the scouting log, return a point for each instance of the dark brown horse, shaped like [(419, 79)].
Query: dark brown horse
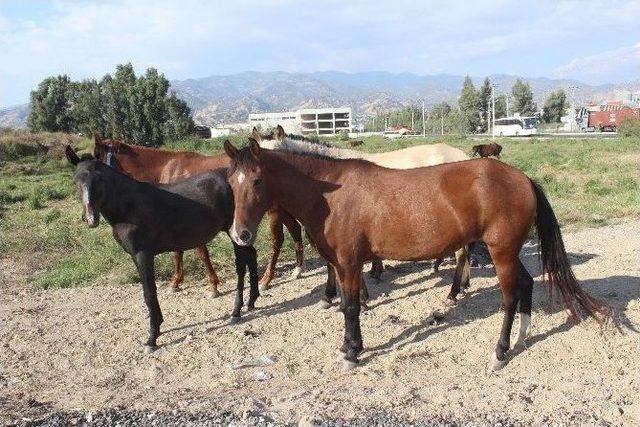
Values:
[(487, 150), (353, 211), (147, 220), (163, 167)]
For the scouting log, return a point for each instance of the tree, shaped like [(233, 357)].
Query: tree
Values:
[(178, 121), (484, 104), (554, 107), (523, 98), (86, 108), (50, 106), (469, 105), (501, 106)]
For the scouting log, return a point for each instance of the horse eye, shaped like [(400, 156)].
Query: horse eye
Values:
[(257, 182)]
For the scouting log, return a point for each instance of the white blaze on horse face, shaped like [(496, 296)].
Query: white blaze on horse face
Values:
[(241, 177), (88, 212)]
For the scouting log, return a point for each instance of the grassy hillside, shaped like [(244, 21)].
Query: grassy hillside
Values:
[(588, 182)]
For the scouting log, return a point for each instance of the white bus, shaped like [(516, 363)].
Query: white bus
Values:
[(516, 126)]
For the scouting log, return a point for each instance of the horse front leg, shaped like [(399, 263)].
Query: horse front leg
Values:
[(251, 261), (241, 270), (277, 238), (330, 290), (178, 275), (145, 263), (461, 275), (214, 281), (350, 281)]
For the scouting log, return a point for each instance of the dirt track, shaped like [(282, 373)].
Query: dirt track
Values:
[(81, 348)]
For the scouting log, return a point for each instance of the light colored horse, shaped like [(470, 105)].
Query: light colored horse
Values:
[(405, 158)]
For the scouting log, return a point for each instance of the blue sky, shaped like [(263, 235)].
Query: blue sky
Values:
[(592, 41)]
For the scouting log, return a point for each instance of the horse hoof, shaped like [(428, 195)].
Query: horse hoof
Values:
[(234, 320), (297, 272), (148, 349), (324, 304), (348, 365), (174, 289), (364, 307), (495, 364), (450, 302), (214, 294), (264, 286)]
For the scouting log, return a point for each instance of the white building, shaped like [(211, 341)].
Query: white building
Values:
[(316, 121)]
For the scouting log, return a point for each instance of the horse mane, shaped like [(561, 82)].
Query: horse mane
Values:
[(305, 146)]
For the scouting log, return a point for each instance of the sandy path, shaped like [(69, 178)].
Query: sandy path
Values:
[(81, 348)]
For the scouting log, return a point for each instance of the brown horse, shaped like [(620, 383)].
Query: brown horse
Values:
[(163, 167), (353, 211)]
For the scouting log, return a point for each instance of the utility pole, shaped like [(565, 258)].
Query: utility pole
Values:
[(493, 112), (412, 124), (442, 121), (508, 115), (424, 128)]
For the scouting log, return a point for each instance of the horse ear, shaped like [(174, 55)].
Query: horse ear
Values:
[(97, 138), (71, 155), (255, 134), (254, 147), (279, 133), (231, 151)]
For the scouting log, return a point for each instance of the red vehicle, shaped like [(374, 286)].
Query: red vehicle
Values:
[(608, 121)]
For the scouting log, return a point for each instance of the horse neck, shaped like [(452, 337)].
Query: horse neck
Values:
[(299, 146), (117, 187), (299, 181), (148, 164)]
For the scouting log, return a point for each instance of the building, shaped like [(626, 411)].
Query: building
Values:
[(307, 121)]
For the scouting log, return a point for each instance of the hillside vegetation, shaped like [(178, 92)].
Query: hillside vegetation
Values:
[(590, 181)]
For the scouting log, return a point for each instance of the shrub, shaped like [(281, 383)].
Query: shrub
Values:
[(630, 127)]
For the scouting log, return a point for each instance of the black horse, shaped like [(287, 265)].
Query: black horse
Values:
[(151, 219)]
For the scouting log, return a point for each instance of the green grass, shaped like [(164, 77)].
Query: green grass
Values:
[(589, 182)]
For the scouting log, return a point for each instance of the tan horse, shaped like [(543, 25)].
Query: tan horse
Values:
[(406, 158)]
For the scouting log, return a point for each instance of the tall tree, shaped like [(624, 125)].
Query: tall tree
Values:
[(484, 104), (501, 106), (469, 105), (554, 107), (50, 106), (523, 98), (178, 121), (86, 108)]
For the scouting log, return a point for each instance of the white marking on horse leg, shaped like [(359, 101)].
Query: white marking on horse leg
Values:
[(495, 364), (525, 330), (241, 177), (297, 272)]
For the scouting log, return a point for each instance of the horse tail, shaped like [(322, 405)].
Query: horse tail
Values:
[(555, 263)]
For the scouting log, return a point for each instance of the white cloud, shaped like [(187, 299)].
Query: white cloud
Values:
[(613, 66)]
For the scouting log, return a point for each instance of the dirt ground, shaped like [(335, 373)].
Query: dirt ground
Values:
[(81, 349)]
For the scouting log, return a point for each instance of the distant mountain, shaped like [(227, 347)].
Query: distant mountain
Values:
[(225, 99), (230, 98), (14, 117)]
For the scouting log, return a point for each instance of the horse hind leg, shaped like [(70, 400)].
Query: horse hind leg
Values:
[(295, 230), (525, 307), (178, 275), (508, 271), (214, 281)]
